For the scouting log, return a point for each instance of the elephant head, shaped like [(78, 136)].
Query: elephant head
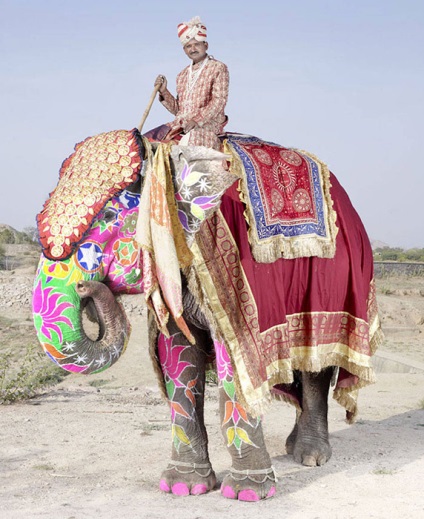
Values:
[(106, 262)]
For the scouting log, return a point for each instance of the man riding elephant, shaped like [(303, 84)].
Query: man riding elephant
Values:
[(202, 91)]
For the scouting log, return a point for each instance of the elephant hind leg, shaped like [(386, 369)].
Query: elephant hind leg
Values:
[(291, 438), (297, 388), (309, 442)]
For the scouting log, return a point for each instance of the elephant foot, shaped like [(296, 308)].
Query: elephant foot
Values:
[(312, 452), (249, 485), (308, 441), (184, 479)]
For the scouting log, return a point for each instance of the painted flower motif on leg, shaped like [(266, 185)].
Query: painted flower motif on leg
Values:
[(171, 363), (236, 420), (172, 368), (223, 361)]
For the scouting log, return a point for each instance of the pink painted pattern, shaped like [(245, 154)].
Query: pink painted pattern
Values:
[(169, 356), (47, 305), (223, 362)]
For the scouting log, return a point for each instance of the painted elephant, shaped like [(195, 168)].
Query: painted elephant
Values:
[(309, 320)]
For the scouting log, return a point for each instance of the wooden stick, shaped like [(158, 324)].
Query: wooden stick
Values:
[(149, 105)]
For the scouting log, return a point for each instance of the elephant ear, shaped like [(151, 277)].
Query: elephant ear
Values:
[(201, 177), (100, 168)]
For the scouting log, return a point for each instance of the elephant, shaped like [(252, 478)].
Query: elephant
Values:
[(319, 342)]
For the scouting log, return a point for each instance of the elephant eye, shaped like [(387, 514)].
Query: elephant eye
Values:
[(109, 215)]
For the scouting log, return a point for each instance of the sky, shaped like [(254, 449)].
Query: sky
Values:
[(343, 80)]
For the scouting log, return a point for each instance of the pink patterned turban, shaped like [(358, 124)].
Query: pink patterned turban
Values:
[(192, 29)]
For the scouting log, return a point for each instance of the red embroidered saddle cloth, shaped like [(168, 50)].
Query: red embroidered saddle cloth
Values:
[(100, 167), (288, 201)]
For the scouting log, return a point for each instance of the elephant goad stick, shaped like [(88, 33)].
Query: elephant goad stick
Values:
[(148, 107)]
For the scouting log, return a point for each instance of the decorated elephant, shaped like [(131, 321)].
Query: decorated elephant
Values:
[(252, 260)]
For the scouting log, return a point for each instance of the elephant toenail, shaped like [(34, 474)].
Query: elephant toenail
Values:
[(309, 461), (271, 492), (248, 495), (180, 489), (199, 489), (228, 492), (163, 485)]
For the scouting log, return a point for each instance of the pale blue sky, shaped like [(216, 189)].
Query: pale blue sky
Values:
[(341, 79)]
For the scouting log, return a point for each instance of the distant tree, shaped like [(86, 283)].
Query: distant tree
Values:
[(2, 254), (7, 236), (398, 254), (31, 232), (414, 255)]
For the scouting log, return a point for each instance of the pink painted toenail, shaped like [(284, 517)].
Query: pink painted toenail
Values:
[(228, 492), (163, 485), (271, 492), (199, 489), (180, 489), (248, 495)]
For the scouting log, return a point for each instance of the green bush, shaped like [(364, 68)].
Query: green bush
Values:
[(7, 236), (398, 254), (19, 381), (10, 236), (211, 377)]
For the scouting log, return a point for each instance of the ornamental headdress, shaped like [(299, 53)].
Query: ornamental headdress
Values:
[(192, 29)]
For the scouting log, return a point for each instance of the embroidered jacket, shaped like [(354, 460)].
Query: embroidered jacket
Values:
[(203, 103)]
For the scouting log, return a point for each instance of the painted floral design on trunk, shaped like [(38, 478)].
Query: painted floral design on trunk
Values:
[(108, 250), (48, 311)]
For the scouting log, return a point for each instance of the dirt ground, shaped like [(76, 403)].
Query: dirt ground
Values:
[(94, 447)]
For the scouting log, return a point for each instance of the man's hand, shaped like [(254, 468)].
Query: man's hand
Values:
[(162, 83), (173, 133), (189, 125)]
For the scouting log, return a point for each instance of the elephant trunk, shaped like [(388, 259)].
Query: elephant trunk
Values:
[(114, 327), (61, 332)]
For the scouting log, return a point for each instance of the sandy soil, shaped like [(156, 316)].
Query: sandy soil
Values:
[(94, 447)]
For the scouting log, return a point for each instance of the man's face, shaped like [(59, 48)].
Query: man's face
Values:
[(196, 50)]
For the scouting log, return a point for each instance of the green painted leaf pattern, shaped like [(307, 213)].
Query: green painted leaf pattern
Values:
[(197, 211), (229, 388), (193, 177), (170, 389), (237, 442)]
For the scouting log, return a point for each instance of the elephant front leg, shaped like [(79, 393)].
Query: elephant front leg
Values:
[(251, 477), (309, 442), (183, 366)]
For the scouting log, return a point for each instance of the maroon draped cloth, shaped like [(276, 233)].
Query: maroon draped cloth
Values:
[(305, 313), (308, 284)]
